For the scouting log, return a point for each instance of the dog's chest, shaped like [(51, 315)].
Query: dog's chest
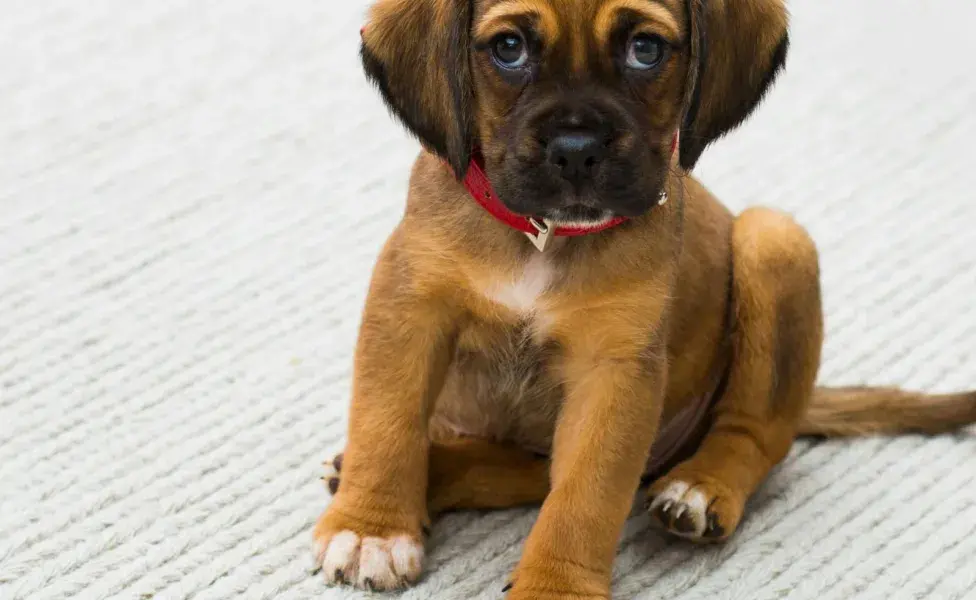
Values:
[(503, 384), (524, 292), (517, 328)]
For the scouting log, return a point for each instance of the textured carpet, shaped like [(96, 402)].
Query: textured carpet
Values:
[(191, 197)]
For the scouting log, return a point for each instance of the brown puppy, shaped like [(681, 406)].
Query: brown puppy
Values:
[(490, 374)]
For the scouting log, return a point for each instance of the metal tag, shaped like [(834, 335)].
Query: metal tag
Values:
[(541, 239)]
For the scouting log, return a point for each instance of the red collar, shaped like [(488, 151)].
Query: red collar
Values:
[(539, 232), (480, 189)]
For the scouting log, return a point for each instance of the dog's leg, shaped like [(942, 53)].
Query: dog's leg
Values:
[(609, 419), (468, 473), (371, 534), (777, 337)]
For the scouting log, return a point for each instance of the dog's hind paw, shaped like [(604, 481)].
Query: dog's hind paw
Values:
[(333, 473), (700, 511)]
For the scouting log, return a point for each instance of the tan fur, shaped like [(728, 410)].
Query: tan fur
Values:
[(503, 14), (657, 18), (477, 355)]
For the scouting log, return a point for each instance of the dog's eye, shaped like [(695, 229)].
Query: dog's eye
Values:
[(510, 51), (645, 51)]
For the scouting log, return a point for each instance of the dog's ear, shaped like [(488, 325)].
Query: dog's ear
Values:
[(738, 47), (417, 53)]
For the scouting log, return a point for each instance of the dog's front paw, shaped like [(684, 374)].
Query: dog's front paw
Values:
[(558, 592), (373, 558), (530, 594), (696, 509), (370, 563), (548, 579)]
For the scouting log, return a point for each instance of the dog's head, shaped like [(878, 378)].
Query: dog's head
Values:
[(573, 103)]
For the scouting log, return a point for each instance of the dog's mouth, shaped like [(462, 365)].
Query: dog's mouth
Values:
[(578, 215), (623, 189)]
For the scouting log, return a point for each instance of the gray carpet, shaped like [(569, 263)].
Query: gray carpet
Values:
[(191, 197)]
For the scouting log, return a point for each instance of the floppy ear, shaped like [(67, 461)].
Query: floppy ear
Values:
[(741, 47), (416, 52)]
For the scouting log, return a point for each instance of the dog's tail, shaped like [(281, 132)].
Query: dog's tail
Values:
[(864, 410)]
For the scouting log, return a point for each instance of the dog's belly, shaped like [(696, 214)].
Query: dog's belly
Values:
[(502, 386)]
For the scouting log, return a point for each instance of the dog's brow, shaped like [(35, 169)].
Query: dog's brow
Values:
[(505, 12), (649, 10)]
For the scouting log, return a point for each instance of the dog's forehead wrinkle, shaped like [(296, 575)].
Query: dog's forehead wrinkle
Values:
[(582, 23)]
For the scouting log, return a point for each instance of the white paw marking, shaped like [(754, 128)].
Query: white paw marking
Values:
[(370, 563), (376, 565), (674, 493), (408, 557), (693, 502), (341, 561)]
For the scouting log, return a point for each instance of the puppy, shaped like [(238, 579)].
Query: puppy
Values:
[(564, 310)]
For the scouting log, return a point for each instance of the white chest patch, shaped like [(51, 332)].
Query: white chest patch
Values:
[(523, 294)]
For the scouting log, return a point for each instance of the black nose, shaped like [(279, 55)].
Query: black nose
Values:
[(576, 155)]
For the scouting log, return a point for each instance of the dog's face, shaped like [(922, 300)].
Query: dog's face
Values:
[(578, 102), (573, 103)]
